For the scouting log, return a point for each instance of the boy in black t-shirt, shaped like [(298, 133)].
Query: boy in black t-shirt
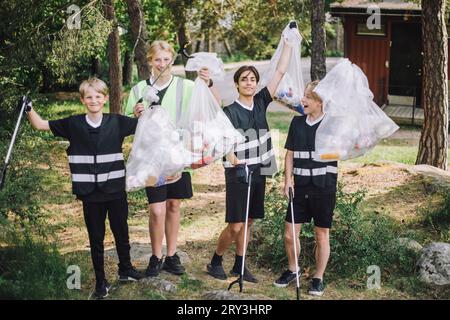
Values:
[(314, 190), (247, 114), (98, 174)]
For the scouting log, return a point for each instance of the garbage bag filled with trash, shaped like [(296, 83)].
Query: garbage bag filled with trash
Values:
[(353, 122), (291, 88), (208, 132), (158, 155)]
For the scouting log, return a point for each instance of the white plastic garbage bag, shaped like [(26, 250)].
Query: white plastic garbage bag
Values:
[(207, 131), (158, 152), (353, 122), (291, 87), (206, 59)]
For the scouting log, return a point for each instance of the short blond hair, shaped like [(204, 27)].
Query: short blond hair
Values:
[(312, 85), (159, 45), (96, 84)]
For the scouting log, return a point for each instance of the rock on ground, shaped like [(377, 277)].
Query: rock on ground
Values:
[(434, 264)]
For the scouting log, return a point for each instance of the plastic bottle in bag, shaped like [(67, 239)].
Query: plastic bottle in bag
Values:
[(291, 87)]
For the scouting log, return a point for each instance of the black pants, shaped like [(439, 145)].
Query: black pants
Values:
[(95, 216)]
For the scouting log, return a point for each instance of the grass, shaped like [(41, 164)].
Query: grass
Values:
[(280, 120)]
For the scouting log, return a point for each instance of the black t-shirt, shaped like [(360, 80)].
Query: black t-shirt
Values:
[(293, 136), (161, 93), (127, 126), (60, 128), (294, 133), (250, 119), (245, 119)]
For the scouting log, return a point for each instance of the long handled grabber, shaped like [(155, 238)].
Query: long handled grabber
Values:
[(22, 104), (240, 280), (294, 237)]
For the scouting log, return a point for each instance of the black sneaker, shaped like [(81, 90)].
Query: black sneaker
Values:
[(154, 267), (287, 277), (102, 289), (317, 287), (216, 271), (130, 275), (173, 265), (247, 275)]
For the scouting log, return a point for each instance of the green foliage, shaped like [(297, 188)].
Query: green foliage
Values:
[(160, 23), (236, 57), (357, 239), (267, 245), (31, 269), (72, 47), (437, 219), (152, 294), (36, 46), (19, 199), (330, 33), (157, 18), (334, 53), (190, 284), (137, 201)]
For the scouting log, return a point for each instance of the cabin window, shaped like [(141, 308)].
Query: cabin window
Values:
[(363, 30)]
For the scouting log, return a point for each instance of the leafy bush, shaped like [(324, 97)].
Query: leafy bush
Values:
[(31, 269), (357, 239), (435, 218)]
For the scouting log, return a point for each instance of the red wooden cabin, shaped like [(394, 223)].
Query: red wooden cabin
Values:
[(391, 55)]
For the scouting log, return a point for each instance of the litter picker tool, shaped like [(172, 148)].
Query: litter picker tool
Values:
[(22, 104), (240, 280), (294, 237)]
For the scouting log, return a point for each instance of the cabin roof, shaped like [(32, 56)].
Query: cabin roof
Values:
[(387, 7)]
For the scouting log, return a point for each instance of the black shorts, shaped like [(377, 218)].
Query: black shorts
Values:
[(236, 199), (320, 207), (182, 189)]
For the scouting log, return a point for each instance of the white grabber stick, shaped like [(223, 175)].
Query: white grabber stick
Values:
[(22, 104), (240, 280), (294, 237)]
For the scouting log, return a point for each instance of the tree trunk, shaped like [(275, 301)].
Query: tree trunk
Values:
[(115, 67), (127, 68), (46, 80), (197, 45), (182, 40), (227, 48), (178, 11), (139, 31), (96, 67), (318, 66), (433, 143), (207, 41)]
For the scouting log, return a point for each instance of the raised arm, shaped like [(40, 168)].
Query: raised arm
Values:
[(204, 75), (282, 66), (36, 121)]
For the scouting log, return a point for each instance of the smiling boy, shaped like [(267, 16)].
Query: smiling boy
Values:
[(98, 174), (314, 189)]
